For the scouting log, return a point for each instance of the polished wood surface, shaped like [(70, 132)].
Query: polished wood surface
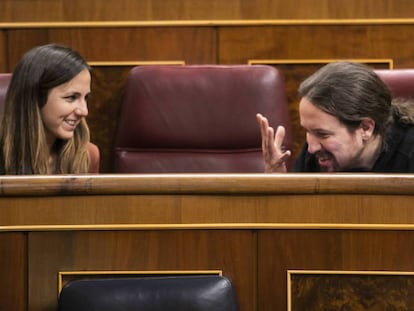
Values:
[(252, 227), (113, 10), (217, 200), (351, 184), (13, 267), (332, 250)]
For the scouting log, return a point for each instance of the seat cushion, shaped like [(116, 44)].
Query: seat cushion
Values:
[(192, 293)]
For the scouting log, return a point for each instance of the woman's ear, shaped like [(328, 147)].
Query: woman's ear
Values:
[(367, 127)]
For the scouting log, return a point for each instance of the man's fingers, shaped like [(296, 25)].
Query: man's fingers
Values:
[(280, 136)]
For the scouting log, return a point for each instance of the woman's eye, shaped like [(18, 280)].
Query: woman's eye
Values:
[(70, 98)]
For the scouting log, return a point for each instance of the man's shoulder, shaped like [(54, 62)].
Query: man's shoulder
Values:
[(406, 144)]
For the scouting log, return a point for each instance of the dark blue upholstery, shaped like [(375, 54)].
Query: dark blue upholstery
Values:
[(181, 293)]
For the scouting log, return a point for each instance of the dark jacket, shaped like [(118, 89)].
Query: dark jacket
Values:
[(398, 158)]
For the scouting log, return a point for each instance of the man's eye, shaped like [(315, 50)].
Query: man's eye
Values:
[(323, 135)]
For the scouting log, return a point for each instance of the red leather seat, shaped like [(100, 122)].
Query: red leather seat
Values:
[(399, 81), (197, 118)]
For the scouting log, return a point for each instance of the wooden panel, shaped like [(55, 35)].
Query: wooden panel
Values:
[(280, 251), (206, 211), (13, 282), (51, 252), (353, 290), (104, 106), (61, 10), (188, 44), (253, 227), (240, 44), (251, 200), (3, 58), (20, 41)]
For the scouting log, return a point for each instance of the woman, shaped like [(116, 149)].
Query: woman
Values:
[(351, 125), (44, 130)]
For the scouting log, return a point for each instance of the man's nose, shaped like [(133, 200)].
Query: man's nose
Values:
[(313, 143)]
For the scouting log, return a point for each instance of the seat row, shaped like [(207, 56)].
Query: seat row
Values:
[(201, 118)]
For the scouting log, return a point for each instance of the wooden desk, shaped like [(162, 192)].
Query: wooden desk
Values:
[(251, 227)]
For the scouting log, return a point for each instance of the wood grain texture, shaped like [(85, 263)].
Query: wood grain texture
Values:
[(251, 200), (213, 184), (112, 10), (191, 44), (3, 58), (327, 250), (13, 269), (356, 291)]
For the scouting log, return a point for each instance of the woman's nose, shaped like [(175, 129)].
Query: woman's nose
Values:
[(82, 108)]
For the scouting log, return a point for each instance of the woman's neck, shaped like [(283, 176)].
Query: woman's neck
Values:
[(51, 165)]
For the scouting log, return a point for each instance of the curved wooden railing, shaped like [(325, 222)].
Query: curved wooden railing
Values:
[(393, 184)]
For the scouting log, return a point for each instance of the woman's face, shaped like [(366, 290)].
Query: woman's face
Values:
[(66, 105), (335, 148)]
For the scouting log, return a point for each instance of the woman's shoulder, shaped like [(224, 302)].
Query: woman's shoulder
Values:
[(94, 158)]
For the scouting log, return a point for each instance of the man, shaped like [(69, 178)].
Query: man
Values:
[(351, 125)]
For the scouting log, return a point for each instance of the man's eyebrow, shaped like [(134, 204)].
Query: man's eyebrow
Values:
[(320, 130)]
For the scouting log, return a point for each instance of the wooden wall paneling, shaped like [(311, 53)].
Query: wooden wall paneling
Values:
[(116, 10), (308, 41), (3, 55), (13, 269), (253, 227), (233, 252), (107, 91), (355, 290), (30, 11), (357, 250), (188, 44), (226, 200), (19, 41), (163, 44), (168, 210)]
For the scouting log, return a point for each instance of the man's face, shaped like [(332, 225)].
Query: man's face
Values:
[(335, 148)]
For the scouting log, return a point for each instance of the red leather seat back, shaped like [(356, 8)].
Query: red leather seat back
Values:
[(399, 81), (198, 118)]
